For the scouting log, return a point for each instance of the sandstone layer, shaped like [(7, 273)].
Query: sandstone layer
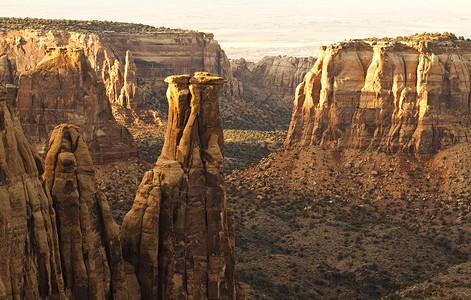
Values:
[(179, 235), (124, 59), (276, 76), (7, 69), (267, 87), (64, 88), (89, 243), (393, 96), (30, 265)]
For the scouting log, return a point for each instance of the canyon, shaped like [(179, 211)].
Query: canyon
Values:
[(126, 61), (185, 246), (368, 198), (134, 65)]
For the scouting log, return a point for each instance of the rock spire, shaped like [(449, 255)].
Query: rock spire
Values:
[(179, 234)]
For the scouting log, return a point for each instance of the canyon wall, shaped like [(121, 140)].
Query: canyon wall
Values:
[(179, 234), (141, 61), (267, 87), (30, 264), (275, 76), (411, 96), (63, 88)]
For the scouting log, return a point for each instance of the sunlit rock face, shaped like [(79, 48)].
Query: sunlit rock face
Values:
[(63, 88), (179, 234), (392, 96), (132, 66), (92, 263), (30, 264)]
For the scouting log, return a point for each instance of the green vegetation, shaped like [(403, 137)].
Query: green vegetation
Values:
[(83, 26), (417, 37)]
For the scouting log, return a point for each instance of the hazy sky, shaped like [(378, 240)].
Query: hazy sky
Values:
[(254, 28)]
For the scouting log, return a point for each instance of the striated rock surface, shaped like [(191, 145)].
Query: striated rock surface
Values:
[(269, 86), (7, 69), (411, 96), (154, 57), (179, 235), (89, 243), (63, 88), (30, 265), (276, 76), (131, 94)]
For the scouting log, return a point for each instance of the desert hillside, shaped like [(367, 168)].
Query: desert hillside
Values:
[(370, 196)]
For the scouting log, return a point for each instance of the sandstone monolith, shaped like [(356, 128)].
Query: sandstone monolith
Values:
[(89, 242), (406, 96), (30, 265), (179, 234)]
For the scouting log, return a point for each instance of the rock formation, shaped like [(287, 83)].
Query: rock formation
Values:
[(276, 76), (179, 235), (7, 69), (92, 263), (267, 88), (409, 96), (30, 265), (63, 88), (131, 94), (154, 55)]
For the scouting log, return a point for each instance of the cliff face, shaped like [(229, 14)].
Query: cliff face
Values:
[(63, 88), (179, 235), (123, 59), (89, 244), (30, 265), (400, 96), (277, 76), (270, 84), (7, 70)]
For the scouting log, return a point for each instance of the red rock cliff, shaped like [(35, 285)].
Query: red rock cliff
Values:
[(89, 244), (154, 56), (63, 88), (393, 96), (30, 265), (179, 234)]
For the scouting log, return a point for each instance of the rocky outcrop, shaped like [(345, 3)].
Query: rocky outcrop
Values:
[(7, 69), (179, 234), (89, 243), (267, 88), (63, 88), (393, 96), (131, 94), (30, 265), (274, 76), (154, 57)]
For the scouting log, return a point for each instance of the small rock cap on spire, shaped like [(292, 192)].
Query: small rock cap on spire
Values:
[(198, 77)]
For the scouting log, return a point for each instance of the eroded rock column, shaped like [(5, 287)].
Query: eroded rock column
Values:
[(89, 243), (178, 235), (30, 266)]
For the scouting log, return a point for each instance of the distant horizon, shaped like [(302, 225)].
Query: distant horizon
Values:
[(253, 30)]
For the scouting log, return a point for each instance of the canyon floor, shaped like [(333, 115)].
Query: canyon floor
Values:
[(313, 223)]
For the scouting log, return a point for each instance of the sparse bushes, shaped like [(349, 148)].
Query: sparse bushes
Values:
[(80, 25)]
